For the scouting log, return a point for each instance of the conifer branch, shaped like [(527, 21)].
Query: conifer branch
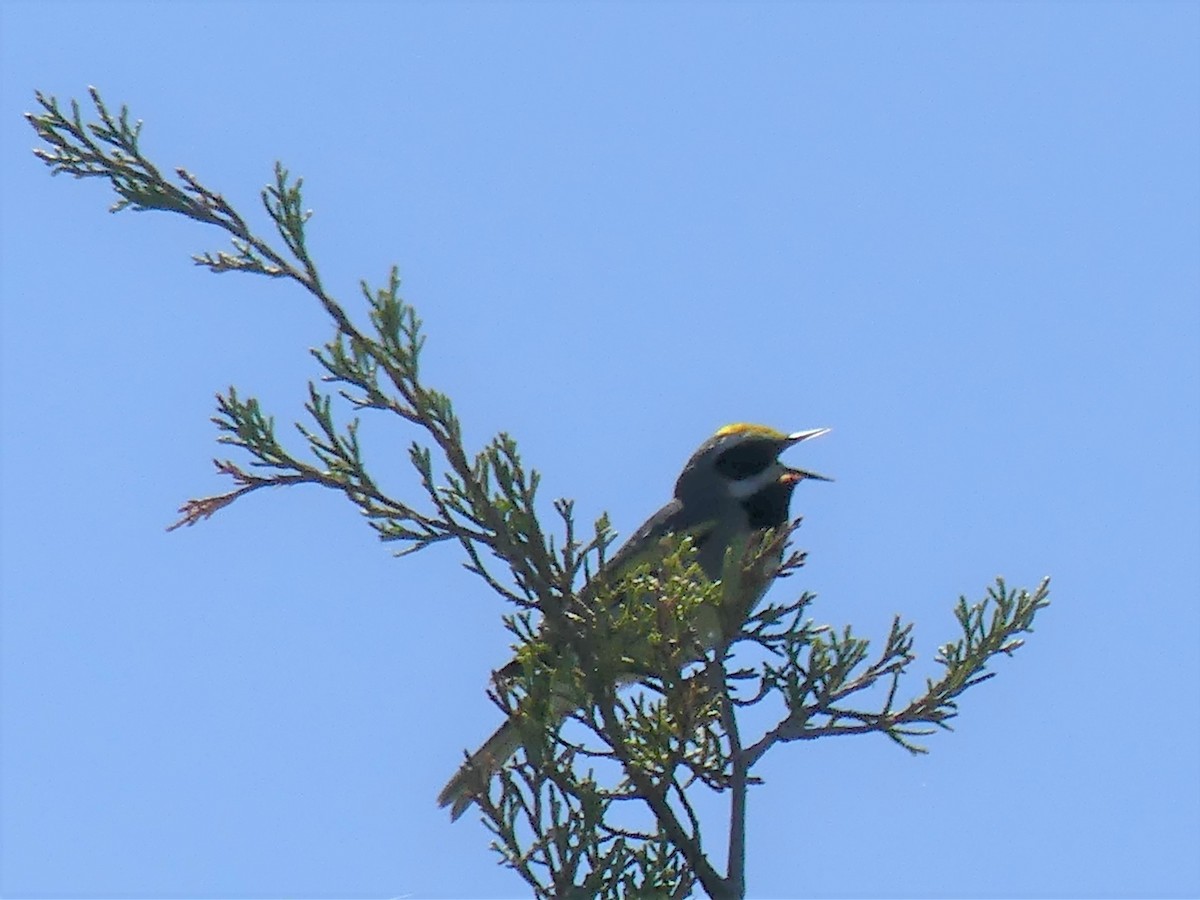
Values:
[(599, 803)]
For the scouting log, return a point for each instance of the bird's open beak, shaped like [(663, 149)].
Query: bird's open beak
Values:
[(798, 475)]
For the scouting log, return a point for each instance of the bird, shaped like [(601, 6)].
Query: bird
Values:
[(732, 489)]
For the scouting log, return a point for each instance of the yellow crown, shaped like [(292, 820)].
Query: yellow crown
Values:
[(751, 429)]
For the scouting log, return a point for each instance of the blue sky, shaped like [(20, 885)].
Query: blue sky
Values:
[(965, 236)]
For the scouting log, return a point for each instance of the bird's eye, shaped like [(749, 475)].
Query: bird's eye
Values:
[(746, 460)]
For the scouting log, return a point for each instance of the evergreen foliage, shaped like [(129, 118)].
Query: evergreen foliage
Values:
[(602, 805)]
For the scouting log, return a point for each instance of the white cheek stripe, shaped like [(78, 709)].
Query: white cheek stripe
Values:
[(748, 487)]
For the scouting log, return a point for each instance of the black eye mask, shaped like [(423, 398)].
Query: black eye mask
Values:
[(747, 459)]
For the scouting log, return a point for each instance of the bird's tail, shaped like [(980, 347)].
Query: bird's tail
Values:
[(476, 773)]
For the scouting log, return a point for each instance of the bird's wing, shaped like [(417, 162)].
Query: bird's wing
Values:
[(645, 545)]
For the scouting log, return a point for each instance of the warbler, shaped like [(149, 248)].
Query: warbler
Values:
[(732, 490)]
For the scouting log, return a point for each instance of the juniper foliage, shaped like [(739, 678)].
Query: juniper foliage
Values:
[(605, 804)]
